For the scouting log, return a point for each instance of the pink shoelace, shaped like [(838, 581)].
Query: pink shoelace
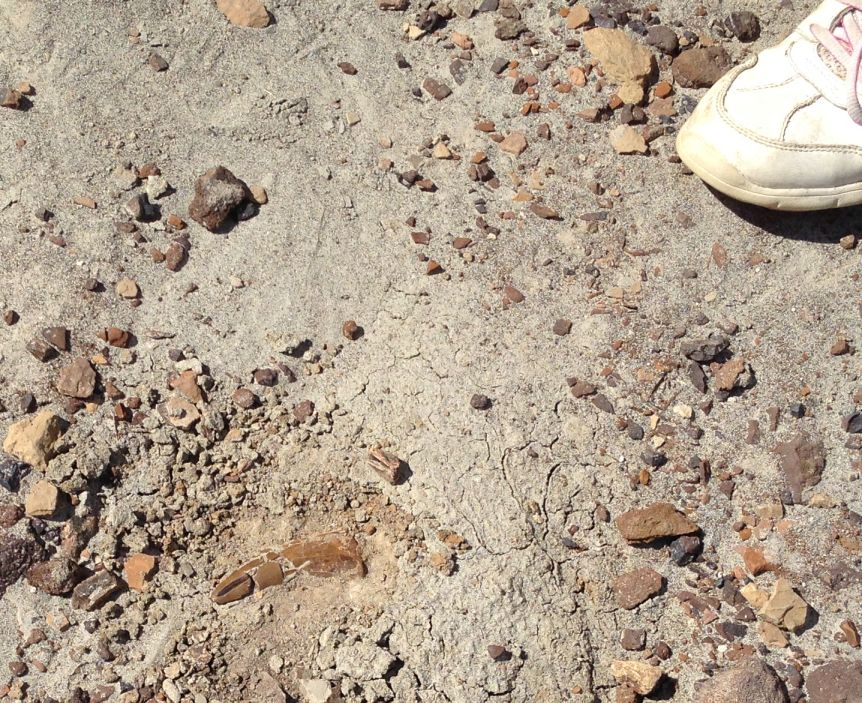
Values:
[(844, 43)]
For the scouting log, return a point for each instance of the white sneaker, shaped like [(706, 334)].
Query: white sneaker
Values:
[(784, 130)]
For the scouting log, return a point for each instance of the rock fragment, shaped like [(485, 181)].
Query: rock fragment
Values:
[(55, 576), (95, 591), (77, 380), (627, 140), (514, 144), (138, 569), (624, 61), (803, 460), (244, 13), (642, 677), (44, 500), (744, 25), (436, 89), (218, 193), (701, 67), (705, 350), (657, 521), (837, 681), (393, 4), (785, 608), (33, 440), (636, 587), (752, 682)]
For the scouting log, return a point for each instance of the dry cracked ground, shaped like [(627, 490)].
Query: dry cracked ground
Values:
[(383, 350)]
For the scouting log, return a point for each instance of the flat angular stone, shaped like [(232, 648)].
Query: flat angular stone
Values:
[(803, 460), (43, 500), (233, 587), (656, 521), (785, 608), (138, 569), (624, 61), (244, 13), (636, 587), (95, 591)]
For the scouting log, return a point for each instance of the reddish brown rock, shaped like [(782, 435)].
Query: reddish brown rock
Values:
[(836, 682), (78, 380), (636, 587), (217, 194), (656, 521)]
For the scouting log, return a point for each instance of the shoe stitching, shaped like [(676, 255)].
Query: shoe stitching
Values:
[(766, 141), (796, 108)]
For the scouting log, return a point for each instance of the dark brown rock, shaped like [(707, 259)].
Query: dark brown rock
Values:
[(701, 67), (836, 682), (41, 350), (303, 410), (10, 514), (480, 402), (245, 399), (437, 90), (16, 556), (753, 682), (633, 640), (217, 194), (95, 591), (562, 327), (57, 336), (55, 576)]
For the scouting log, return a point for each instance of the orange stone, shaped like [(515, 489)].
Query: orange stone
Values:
[(138, 569)]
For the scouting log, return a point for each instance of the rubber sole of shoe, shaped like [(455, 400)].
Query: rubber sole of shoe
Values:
[(707, 166)]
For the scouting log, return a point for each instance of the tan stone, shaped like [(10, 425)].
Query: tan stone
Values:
[(259, 195), (579, 15), (244, 13), (785, 608), (180, 413), (771, 635), (43, 500), (624, 61), (642, 677), (755, 597), (514, 144), (127, 288), (627, 140), (33, 440)]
